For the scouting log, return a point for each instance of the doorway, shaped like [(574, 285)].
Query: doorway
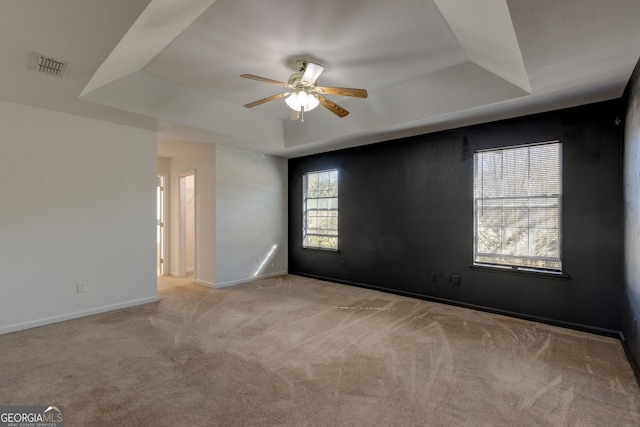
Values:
[(187, 262)]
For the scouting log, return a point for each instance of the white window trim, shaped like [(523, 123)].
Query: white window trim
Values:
[(305, 245), (536, 271)]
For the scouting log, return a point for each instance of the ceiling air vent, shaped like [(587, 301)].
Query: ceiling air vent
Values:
[(48, 65)]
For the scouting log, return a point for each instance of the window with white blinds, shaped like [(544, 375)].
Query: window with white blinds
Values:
[(320, 210), (517, 207)]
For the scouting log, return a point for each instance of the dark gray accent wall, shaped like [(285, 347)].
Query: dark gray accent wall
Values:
[(631, 263), (406, 211)]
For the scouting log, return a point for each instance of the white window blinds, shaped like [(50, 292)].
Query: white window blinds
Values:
[(517, 206), (320, 210)]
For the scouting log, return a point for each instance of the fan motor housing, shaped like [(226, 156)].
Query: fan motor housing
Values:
[(295, 80)]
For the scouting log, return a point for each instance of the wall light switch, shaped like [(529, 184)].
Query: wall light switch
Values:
[(82, 287)]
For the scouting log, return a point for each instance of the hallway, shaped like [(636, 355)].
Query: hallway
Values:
[(166, 282)]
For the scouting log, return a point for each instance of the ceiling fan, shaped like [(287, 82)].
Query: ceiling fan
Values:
[(306, 94)]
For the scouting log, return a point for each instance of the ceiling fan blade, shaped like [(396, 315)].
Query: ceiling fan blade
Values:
[(344, 91), (264, 79), (331, 106), (312, 72), (270, 98)]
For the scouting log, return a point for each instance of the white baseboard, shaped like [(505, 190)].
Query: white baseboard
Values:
[(75, 315), (205, 283), (249, 279)]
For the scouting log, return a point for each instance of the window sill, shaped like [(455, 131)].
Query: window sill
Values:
[(334, 251), (521, 272)]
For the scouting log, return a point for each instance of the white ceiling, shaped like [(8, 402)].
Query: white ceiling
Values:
[(174, 66)]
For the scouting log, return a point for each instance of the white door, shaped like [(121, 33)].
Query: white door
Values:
[(187, 261), (160, 225)]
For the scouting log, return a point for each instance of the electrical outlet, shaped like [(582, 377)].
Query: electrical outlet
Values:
[(446, 278), (433, 277), (82, 287), (455, 280)]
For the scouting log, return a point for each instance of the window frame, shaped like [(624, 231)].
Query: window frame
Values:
[(305, 209), (519, 268)]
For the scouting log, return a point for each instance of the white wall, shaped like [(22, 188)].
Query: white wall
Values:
[(164, 164), (251, 216), (202, 160), (78, 204)]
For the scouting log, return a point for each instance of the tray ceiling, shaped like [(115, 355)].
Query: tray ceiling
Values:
[(427, 65)]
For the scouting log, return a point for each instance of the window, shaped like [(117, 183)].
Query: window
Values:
[(517, 207), (320, 210)]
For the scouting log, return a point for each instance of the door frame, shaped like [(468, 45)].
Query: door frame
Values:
[(164, 237)]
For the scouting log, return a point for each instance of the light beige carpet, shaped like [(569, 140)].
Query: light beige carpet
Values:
[(294, 351)]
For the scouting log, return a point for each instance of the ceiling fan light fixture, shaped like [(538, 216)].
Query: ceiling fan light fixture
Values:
[(306, 94), (302, 99)]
